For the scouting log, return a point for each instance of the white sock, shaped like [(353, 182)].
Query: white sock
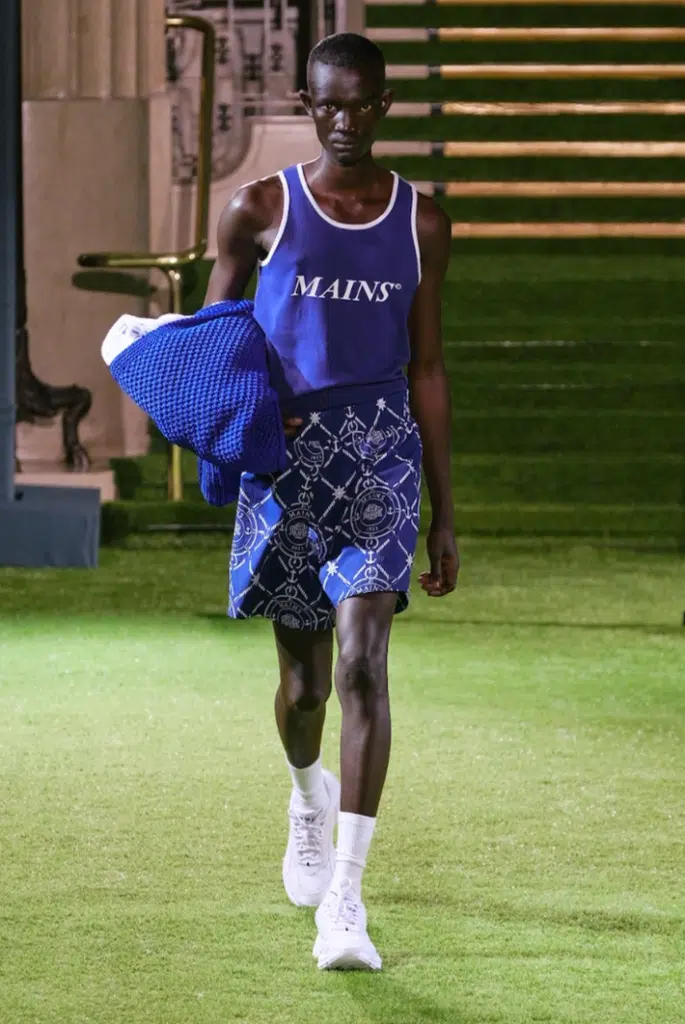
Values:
[(355, 833), (309, 785)]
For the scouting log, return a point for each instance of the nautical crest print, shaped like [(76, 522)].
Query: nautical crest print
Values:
[(341, 519)]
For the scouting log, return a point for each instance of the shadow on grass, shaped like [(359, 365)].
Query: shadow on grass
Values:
[(383, 999), (598, 921), (632, 627)]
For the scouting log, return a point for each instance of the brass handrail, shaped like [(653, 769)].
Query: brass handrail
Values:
[(171, 263)]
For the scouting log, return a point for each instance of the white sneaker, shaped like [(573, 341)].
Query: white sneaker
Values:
[(309, 859), (343, 942)]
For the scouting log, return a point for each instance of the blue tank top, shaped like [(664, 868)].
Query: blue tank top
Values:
[(333, 299)]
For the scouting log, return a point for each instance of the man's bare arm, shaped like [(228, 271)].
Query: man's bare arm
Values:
[(243, 225), (247, 227), (429, 394)]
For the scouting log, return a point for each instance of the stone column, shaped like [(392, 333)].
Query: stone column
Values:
[(350, 16), (92, 72)]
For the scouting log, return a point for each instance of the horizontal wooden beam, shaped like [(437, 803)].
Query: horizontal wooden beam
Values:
[(552, 189), (640, 150), (525, 35), (555, 109), (455, 109), (570, 149), (536, 71), (568, 230)]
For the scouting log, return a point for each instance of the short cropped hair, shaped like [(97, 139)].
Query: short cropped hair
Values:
[(348, 50)]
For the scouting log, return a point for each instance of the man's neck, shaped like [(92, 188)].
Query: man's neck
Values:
[(335, 177)]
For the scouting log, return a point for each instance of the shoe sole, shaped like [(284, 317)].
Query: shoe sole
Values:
[(348, 958), (333, 788)]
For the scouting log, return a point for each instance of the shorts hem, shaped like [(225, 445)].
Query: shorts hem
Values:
[(237, 615), (401, 605)]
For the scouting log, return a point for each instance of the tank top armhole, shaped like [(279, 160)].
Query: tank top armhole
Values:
[(284, 220), (414, 229)]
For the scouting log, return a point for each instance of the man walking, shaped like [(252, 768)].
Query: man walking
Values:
[(351, 267)]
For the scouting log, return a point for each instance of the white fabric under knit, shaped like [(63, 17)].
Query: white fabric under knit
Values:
[(129, 328), (355, 832), (309, 785)]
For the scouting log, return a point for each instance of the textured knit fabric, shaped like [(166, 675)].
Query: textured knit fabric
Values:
[(341, 520), (204, 381), (333, 298)]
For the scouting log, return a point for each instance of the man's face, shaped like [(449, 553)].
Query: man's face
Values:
[(346, 106)]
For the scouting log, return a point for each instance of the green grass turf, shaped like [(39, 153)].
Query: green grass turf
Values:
[(529, 859), (515, 16)]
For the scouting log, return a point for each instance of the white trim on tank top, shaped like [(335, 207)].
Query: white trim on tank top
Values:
[(414, 230), (338, 224), (284, 220)]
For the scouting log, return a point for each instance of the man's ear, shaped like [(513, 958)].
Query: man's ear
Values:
[(386, 101), (306, 101)]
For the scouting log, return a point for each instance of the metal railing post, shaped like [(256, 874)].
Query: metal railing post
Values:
[(174, 453)]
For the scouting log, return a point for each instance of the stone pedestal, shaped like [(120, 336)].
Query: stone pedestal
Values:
[(49, 475)]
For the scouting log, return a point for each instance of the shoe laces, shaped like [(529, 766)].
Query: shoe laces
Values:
[(308, 830), (346, 909)]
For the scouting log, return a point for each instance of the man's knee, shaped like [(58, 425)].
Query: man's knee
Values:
[(361, 673), (300, 693), (305, 660)]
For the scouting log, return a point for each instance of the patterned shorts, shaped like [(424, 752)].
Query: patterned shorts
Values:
[(341, 519)]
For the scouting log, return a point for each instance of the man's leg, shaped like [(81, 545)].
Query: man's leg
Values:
[(361, 679), (305, 662)]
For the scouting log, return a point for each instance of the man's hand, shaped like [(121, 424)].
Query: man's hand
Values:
[(444, 563), (291, 426)]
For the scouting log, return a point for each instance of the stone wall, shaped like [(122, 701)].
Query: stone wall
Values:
[(93, 75)]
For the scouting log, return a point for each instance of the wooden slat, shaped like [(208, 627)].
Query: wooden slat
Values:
[(563, 71), (401, 35), (570, 149), (525, 35), (536, 71), (455, 109), (638, 150), (409, 71), (406, 147), (540, 189), (567, 230), (415, 109), (553, 109)]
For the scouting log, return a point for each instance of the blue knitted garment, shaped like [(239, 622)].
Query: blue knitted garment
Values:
[(204, 381)]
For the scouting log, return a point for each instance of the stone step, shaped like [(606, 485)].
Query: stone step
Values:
[(567, 519), (658, 341), (595, 432), (646, 480), (660, 524), (503, 128), (510, 374), (521, 398), (531, 90), (617, 15)]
